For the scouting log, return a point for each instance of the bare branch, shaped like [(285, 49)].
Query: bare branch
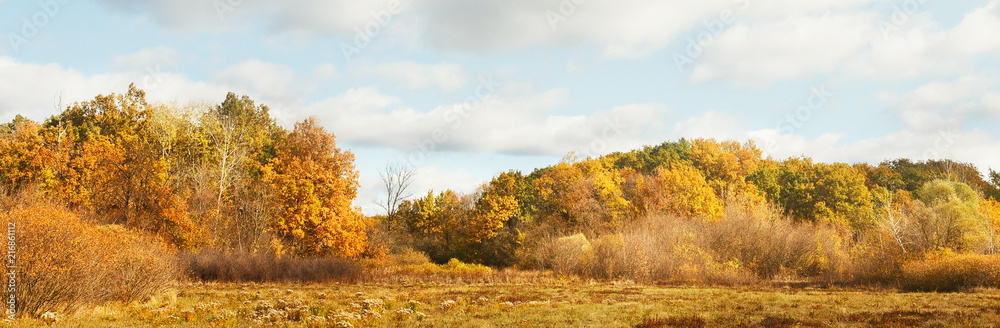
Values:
[(396, 178)]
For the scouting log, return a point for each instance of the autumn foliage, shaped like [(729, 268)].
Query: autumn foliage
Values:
[(64, 263), (704, 211), (224, 176), (315, 183), (125, 183), (135, 181)]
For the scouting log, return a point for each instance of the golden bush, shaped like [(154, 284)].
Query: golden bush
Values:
[(64, 263), (944, 271)]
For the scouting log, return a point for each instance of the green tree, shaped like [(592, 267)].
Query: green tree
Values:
[(818, 192), (994, 190), (955, 220), (436, 221)]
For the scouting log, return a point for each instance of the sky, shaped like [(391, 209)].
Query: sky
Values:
[(462, 90)]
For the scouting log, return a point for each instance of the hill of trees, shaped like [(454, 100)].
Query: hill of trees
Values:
[(227, 177), (710, 205)]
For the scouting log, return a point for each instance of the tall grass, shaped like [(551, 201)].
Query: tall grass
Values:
[(949, 272), (235, 266), (750, 244)]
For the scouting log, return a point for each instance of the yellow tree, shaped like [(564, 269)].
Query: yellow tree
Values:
[(497, 203), (314, 184), (725, 163), (584, 195), (991, 209), (20, 149), (560, 195), (498, 217), (682, 190), (236, 139)]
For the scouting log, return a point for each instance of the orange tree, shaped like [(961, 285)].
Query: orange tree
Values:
[(315, 183)]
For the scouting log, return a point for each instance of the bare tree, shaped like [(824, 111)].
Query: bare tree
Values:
[(396, 178), (893, 223)]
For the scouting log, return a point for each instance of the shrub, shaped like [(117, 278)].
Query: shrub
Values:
[(944, 271), (759, 237), (569, 254), (137, 265), (454, 270), (411, 265), (876, 260), (64, 263), (753, 241), (235, 266)]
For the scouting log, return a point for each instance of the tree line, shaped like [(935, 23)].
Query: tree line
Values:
[(228, 177), (912, 207)]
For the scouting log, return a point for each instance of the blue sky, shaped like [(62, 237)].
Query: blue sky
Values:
[(465, 89)]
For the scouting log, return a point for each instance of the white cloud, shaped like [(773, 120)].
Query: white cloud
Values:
[(301, 17), (622, 28), (505, 122), (273, 81), (438, 179), (990, 105), (410, 75), (939, 104), (976, 34), (630, 28), (973, 146), (40, 89), (920, 47), (712, 124), (785, 8), (760, 54), (862, 44), (326, 71), (147, 59)]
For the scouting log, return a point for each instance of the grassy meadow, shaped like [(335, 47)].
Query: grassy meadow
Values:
[(547, 302)]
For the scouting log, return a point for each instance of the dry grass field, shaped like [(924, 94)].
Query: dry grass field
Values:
[(550, 303)]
